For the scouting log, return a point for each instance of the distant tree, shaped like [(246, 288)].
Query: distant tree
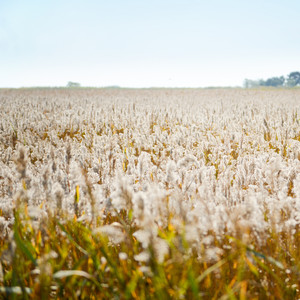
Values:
[(293, 79), (73, 84), (248, 83), (274, 81)]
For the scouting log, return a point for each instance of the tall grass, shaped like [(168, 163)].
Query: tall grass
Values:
[(151, 194)]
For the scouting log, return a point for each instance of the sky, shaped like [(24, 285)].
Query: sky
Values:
[(154, 43)]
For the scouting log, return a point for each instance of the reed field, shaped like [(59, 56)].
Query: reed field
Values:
[(149, 193)]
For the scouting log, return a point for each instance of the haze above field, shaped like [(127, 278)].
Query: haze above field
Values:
[(147, 43)]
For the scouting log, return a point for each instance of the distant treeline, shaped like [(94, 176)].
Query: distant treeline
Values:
[(291, 80)]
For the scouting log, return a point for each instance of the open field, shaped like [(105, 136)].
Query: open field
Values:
[(150, 194)]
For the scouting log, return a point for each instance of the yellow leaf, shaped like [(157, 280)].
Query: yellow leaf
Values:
[(77, 194), (243, 291), (252, 268)]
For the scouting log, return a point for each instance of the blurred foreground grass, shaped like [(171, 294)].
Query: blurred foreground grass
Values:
[(70, 258)]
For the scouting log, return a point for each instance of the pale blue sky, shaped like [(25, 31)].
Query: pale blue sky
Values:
[(182, 43)]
